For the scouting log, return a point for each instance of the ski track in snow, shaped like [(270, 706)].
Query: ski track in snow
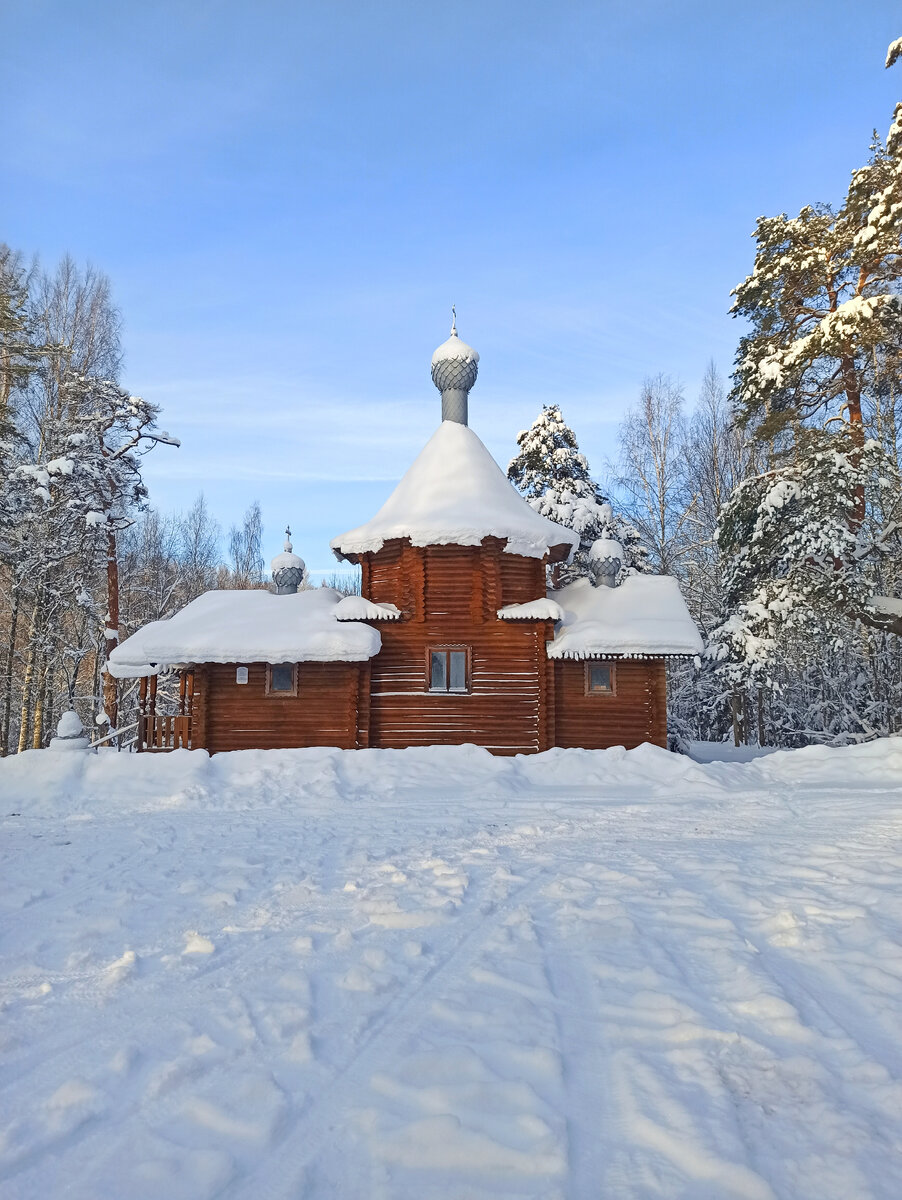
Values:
[(435, 974)]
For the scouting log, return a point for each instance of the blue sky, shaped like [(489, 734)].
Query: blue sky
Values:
[(289, 196)]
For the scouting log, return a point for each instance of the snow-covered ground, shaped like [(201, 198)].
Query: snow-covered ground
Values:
[(439, 974)]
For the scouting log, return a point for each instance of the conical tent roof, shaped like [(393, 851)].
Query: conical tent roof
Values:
[(456, 494)]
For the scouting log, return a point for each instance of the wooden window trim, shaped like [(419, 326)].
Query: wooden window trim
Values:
[(587, 678), (281, 695), (430, 650)]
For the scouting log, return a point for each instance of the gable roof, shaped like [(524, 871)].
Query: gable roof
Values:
[(644, 617), (454, 493), (248, 626)]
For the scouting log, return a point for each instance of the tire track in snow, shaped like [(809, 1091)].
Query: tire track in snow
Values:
[(283, 1169), (585, 1067), (797, 983)]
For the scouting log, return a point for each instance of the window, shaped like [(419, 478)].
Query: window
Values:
[(282, 679), (599, 679), (449, 670)]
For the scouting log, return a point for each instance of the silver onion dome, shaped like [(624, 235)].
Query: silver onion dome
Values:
[(606, 557), (455, 366), (287, 569)]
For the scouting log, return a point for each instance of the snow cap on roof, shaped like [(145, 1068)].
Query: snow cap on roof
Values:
[(245, 627), (645, 617), (455, 494)]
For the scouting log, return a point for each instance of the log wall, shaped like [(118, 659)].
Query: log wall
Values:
[(449, 596), (518, 702), (635, 713), (240, 716)]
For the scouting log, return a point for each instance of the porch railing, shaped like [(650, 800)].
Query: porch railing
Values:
[(165, 732)]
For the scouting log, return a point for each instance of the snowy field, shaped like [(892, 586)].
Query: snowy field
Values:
[(436, 974)]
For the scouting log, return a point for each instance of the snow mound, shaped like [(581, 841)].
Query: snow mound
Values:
[(646, 616), (248, 626), (43, 783), (456, 494)]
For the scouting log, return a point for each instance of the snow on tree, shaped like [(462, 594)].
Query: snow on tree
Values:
[(794, 560), (806, 543), (554, 477), (112, 430), (20, 351), (823, 299)]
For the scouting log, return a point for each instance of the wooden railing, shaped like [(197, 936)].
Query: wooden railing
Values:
[(165, 732)]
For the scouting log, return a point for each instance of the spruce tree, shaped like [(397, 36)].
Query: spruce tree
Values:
[(794, 565), (554, 477)]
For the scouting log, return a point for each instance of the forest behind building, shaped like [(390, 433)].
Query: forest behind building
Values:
[(774, 496)]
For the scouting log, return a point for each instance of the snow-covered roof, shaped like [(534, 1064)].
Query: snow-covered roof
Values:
[(248, 626), (358, 608), (456, 494), (645, 617), (544, 609)]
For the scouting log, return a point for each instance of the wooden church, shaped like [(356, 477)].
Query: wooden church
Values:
[(454, 638)]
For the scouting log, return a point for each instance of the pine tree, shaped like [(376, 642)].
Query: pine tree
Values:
[(823, 300), (554, 477)]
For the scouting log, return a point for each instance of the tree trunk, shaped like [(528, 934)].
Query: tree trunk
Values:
[(40, 705), (8, 673), (736, 709), (28, 680), (856, 422), (111, 636)]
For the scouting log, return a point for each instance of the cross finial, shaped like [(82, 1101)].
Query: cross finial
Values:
[(453, 320), (288, 538)]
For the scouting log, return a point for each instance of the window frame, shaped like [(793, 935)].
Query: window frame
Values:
[(446, 650), (281, 693), (600, 662)]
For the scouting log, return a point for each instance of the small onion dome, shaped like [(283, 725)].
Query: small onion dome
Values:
[(454, 364), (287, 569), (606, 557)]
